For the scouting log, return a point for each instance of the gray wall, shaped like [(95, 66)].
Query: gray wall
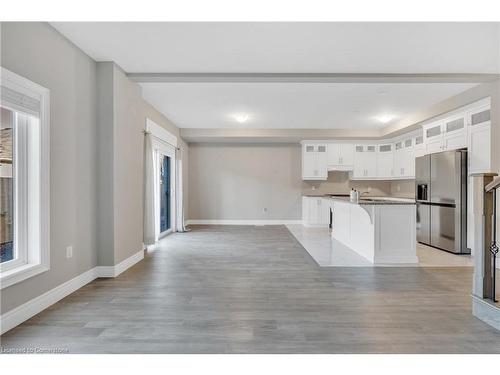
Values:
[(237, 181), (39, 53), (97, 118), (122, 116), (129, 120), (105, 208)]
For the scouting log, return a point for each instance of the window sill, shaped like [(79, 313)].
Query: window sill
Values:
[(21, 273)]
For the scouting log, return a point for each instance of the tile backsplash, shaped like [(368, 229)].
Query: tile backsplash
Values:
[(403, 188), (339, 183)]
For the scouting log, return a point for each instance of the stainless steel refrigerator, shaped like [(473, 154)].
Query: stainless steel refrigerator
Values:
[(441, 195)]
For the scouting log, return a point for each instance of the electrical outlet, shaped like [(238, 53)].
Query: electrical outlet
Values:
[(69, 252)]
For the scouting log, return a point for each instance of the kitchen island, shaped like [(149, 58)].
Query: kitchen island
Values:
[(382, 230)]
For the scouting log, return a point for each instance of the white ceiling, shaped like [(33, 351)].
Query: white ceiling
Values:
[(293, 105), (394, 48), (291, 47)]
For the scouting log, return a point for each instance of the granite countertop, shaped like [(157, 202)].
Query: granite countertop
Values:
[(321, 195), (377, 201)]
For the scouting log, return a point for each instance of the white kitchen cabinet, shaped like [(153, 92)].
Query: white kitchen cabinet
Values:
[(314, 162), (333, 154), (315, 211), (418, 148), (479, 140), (404, 159), (365, 162), (340, 156), (445, 135), (385, 160), (433, 138), (455, 132)]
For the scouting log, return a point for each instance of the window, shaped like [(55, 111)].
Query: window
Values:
[(24, 179), (6, 186)]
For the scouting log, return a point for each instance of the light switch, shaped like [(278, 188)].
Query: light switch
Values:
[(69, 252)]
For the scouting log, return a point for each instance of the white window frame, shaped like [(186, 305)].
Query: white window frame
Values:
[(31, 169)]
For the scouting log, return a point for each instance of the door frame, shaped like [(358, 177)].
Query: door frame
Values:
[(163, 142)]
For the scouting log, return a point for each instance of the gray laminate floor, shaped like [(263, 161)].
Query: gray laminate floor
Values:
[(230, 289)]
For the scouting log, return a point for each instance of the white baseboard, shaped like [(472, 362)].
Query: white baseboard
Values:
[(486, 311), (314, 225), (242, 222), (36, 305), (29, 309), (114, 271)]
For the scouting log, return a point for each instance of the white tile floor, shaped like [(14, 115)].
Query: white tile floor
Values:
[(328, 252)]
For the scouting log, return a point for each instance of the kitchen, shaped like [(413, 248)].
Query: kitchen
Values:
[(398, 181)]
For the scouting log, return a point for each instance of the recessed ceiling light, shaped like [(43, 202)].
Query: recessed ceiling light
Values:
[(384, 119), (241, 118)]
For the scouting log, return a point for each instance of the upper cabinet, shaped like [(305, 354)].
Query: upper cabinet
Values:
[(479, 140), (314, 161), (385, 160), (340, 156), (418, 146), (468, 127), (365, 162), (447, 134), (455, 132), (404, 158), (381, 161), (433, 137)]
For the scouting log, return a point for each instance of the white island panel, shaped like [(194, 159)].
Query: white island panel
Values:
[(381, 233), (362, 232)]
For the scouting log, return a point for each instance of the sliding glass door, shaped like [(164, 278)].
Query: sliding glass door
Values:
[(165, 196), (165, 191)]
